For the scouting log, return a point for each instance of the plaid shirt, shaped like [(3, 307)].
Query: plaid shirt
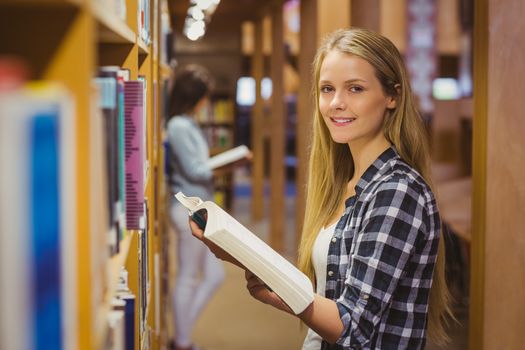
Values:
[(381, 258)]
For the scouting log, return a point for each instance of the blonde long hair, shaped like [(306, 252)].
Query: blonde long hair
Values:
[(331, 164)]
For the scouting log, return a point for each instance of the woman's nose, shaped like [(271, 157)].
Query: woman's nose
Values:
[(338, 101)]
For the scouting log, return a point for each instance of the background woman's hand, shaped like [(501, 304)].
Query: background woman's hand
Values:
[(260, 291), (215, 249), (228, 168)]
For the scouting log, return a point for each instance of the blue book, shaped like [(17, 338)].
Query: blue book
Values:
[(45, 219), (38, 298), (129, 320)]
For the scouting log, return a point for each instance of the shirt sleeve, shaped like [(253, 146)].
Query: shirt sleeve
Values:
[(183, 145), (392, 224)]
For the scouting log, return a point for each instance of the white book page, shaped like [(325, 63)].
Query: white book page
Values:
[(228, 156)]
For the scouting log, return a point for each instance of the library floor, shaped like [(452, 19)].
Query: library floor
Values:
[(235, 321)]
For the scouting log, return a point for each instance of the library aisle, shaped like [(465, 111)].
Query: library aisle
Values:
[(234, 320)]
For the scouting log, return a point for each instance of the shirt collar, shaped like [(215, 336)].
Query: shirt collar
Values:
[(378, 167)]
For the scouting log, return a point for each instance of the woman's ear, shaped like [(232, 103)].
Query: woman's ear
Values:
[(392, 102)]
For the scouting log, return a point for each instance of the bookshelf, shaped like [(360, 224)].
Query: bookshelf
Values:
[(218, 125), (67, 41)]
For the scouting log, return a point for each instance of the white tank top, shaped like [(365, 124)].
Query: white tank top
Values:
[(312, 341)]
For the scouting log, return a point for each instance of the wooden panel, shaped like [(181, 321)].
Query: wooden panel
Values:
[(454, 198), (479, 150), (448, 29), (505, 188), (393, 22), (257, 127), (366, 14), (334, 14), (277, 146), (446, 133), (38, 54), (305, 106)]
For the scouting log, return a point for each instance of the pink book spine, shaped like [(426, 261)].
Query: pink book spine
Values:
[(133, 131)]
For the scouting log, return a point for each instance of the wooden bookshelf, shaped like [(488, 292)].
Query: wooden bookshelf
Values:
[(218, 126), (111, 29), (79, 37)]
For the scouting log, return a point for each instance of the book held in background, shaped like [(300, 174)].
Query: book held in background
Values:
[(292, 286), (229, 156)]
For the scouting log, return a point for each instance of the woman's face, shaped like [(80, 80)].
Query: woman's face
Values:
[(351, 99)]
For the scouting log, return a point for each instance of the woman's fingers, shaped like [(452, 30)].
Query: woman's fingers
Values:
[(257, 288), (195, 230)]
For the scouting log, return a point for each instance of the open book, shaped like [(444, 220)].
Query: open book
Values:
[(229, 156), (292, 286)]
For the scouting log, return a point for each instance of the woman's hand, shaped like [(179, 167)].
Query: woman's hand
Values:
[(228, 168), (260, 291), (215, 249)]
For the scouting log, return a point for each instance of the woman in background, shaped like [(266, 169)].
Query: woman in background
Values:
[(371, 240), (199, 273)]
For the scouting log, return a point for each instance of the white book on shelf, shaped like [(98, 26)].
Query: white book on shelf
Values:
[(229, 156), (281, 276), (38, 217)]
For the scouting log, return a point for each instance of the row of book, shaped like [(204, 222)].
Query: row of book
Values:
[(39, 206), (121, 318), (122, 103), (144, 27), (218, 137), (117, 7), (219, 111), (166, 33)]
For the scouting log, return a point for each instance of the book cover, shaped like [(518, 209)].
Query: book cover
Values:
[(134, 152), (115, 339), (102, 238), (108, 103), (129, 320), (38, 298), (120, 75), (292, 286), (229, 156)]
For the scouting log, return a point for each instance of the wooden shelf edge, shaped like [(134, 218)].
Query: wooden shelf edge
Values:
[(114, 265), (111, 29), (226, 123), (113, 268), (147, 181), (142, 336), (143, 48), (165, 70)]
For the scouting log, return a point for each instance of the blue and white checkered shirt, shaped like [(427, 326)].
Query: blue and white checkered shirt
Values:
[(382, 256)]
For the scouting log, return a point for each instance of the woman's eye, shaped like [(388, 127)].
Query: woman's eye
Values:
[(356, 89), (325, 89)]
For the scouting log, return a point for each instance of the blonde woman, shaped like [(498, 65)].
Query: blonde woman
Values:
[(371, 240)]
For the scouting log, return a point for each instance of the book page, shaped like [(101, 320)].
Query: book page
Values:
[(293, 286), (228, 156)]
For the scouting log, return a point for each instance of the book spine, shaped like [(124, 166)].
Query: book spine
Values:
[(134, 152), (45, 219), (129, 315), (108, 104), (121, 153), (16, 326)]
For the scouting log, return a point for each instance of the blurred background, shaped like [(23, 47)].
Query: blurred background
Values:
[(87, 256)]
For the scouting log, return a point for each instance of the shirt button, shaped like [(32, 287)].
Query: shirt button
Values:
[(364, 296), (334, 240), (330, 273)]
